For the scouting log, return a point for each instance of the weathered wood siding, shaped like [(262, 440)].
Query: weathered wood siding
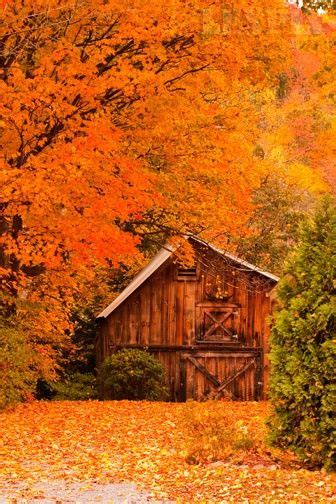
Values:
[(168, 316)]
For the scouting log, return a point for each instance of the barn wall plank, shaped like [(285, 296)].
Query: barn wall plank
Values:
[(155, 310), (145, 313), (171, 324), (179, 307), (134, 319), (189, 313)]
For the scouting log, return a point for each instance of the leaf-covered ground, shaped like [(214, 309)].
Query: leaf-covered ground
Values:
[(145, 444)]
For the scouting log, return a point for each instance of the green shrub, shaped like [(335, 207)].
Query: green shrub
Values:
[(134, 375), (75, 387), (17, 367), (303, 386)]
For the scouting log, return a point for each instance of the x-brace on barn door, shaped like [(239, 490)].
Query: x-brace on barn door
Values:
[(212, 376), (218, 323)]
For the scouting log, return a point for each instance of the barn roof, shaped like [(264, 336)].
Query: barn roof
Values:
[(160, 258)]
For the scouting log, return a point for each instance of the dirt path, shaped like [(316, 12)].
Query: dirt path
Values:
[(61, 492)]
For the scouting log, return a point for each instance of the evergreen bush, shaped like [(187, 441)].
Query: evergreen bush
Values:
[(75, 387), (303, 341), (134, 375)]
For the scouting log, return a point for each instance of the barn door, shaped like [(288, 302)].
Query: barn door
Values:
[(218, 323), (209, 375)]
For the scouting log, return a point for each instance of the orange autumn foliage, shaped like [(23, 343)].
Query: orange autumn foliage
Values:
[(118, 122), (299, 137)]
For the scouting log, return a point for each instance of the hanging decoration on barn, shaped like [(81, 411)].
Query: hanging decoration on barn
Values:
[(217, 289)]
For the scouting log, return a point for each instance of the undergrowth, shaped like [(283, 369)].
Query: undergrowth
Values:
[(210, 433)]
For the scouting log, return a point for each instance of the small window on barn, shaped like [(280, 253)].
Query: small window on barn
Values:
[(187, 274)]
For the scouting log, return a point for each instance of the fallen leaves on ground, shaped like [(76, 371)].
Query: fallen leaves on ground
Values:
[(142, 443)]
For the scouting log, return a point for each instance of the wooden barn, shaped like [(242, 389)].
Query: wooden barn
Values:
[(207, 324)]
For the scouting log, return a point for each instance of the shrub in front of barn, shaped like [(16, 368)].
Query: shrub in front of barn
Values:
[(303, 385), (133, 375)]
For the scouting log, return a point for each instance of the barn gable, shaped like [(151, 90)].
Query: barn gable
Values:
[(166, 253), (207, 324)]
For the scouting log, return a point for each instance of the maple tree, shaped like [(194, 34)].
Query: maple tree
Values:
[(296, 142), (306, 122), (118, 124)]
